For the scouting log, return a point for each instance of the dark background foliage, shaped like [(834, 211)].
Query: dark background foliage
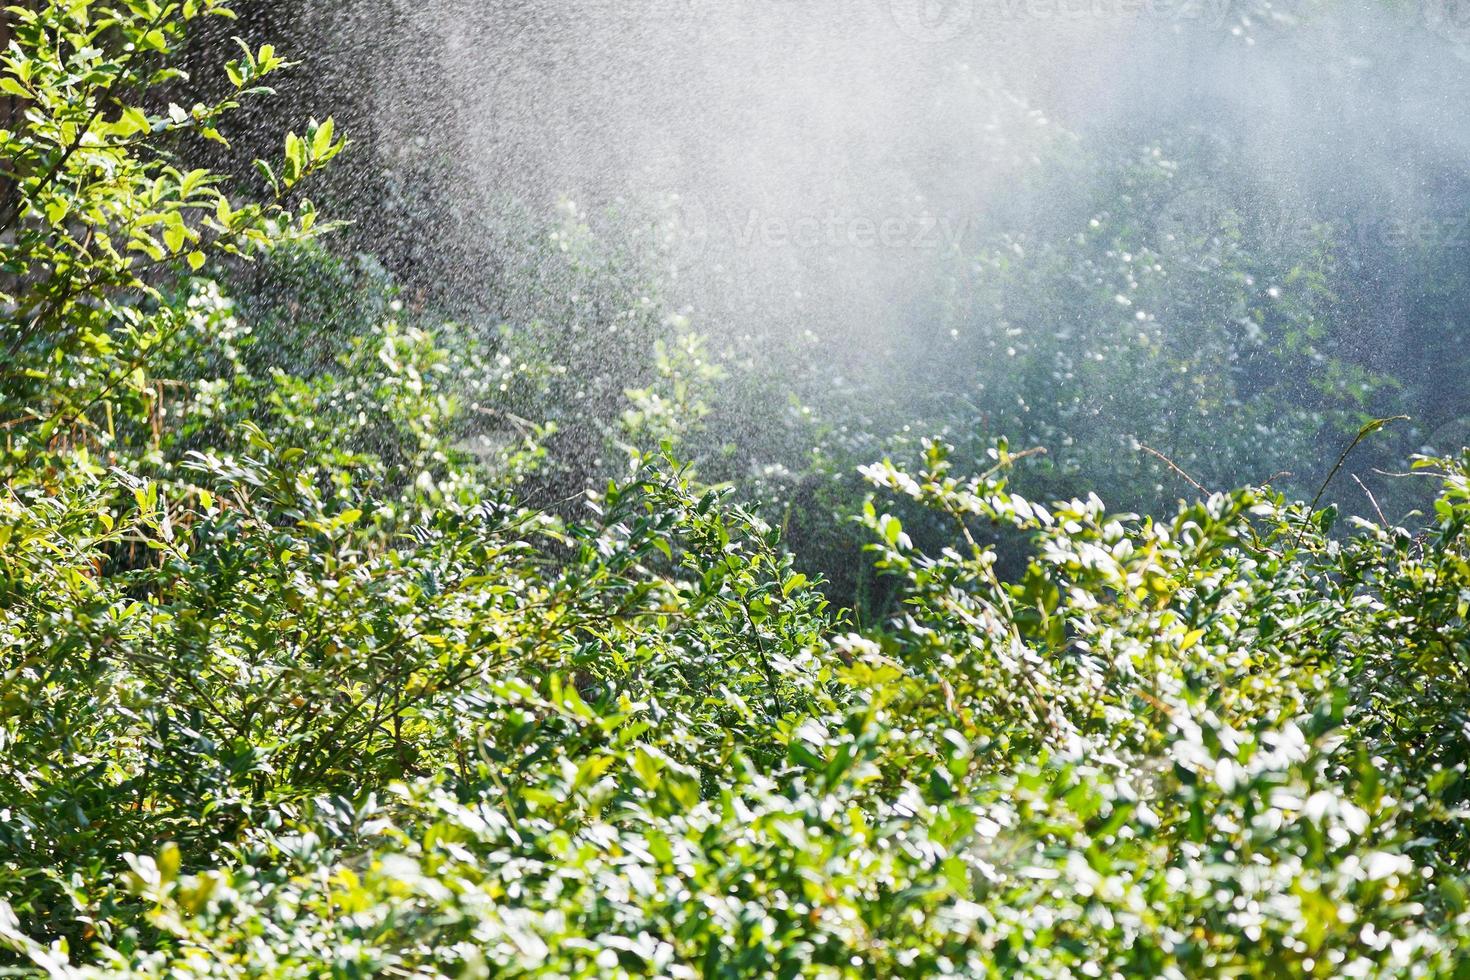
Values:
[(484, 586)]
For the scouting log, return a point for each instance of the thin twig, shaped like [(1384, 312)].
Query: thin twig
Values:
[(1012, 459), (1372, 500), (1363, 433), (1429, 473), (1176, 468), (1268, 481), (526, 426)]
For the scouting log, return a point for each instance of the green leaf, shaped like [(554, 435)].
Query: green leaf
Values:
[(264, 169), (321, 140), (133, 121), (56, 210), (175, 233), (190, 181)]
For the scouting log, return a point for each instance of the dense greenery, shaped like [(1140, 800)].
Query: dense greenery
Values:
[(296, 681)]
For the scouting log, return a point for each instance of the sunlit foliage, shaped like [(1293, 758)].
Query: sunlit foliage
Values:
[(295, 682)]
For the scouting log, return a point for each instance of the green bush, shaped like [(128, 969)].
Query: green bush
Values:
[(293, 683)]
